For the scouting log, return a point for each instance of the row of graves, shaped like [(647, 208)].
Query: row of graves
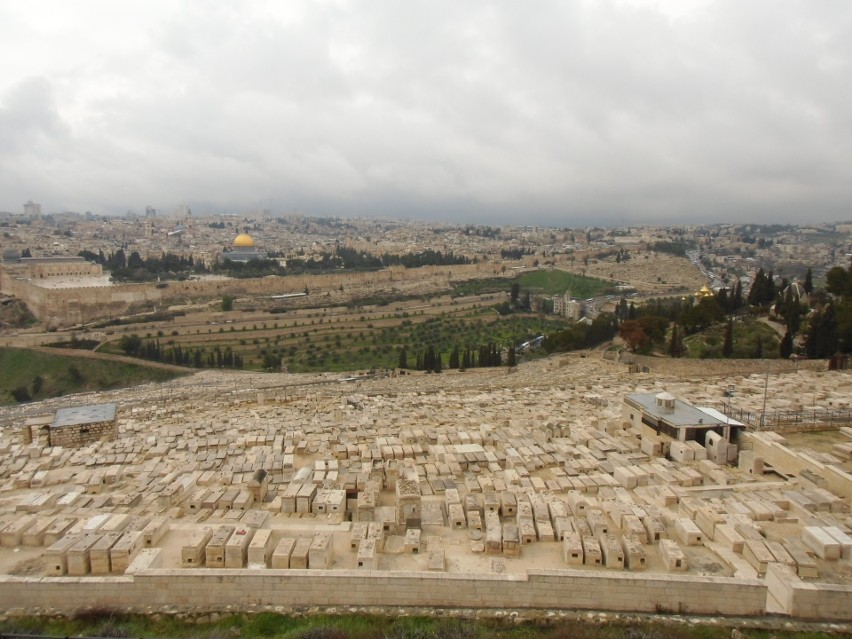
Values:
[(254, 490)]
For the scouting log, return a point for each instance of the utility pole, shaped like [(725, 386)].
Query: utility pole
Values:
[(765, 390)]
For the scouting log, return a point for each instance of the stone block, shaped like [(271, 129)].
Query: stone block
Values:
[(758, 555), (572, 549), (215, 551), (822, 543), (687, 532), (236, 548), (592, 555), (634, 553), (673, 557), (123, 552), (193, 552), (283, 552)]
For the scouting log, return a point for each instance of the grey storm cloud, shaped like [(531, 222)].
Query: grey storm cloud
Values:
[(554, 112)]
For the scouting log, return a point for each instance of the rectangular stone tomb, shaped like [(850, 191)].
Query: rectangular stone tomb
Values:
[(236, 548), (260, 549), (193, 552), (282, 553)]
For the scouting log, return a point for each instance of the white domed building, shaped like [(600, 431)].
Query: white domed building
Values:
[(243, 250)]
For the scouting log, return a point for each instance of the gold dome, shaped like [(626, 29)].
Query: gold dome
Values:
[(704, 292), (243, 241)]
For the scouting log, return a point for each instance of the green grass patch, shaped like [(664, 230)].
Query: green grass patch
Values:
[(557, 282), (481, 287), (43, 375), (106, 623)]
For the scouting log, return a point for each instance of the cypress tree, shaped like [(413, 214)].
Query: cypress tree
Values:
[(786, 347), (822, 334), (722, 300), (403, 358), (737, 302), (756, 293), (454, 358), (809, 281), (728, 346), (676, 343)]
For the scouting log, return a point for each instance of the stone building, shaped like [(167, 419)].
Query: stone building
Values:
[(665, 415), (39, 268), (244, 250), (82, 425), (564, 306)]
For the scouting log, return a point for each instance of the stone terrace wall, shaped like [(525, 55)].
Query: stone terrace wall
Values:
[(780, 456), (215, 589), (720, 367)]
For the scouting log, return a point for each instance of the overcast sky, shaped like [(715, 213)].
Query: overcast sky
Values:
[(563, 112)]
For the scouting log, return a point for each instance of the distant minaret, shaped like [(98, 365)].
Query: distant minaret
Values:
[(32, 210)]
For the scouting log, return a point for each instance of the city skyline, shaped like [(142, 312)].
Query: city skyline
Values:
[(597, 113)]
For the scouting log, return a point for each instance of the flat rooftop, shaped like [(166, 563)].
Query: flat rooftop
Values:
[(79, 281), (91, 414), (683, 414)]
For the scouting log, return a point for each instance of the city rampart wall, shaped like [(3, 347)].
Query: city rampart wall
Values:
[(75, 305)]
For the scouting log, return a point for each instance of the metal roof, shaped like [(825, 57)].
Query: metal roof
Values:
[(720, 415), (91, 414), (683, 415)]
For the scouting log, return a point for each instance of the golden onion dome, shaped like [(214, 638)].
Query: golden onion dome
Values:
[(704, 292), (243, 240)]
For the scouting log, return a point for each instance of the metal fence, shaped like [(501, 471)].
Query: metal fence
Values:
[(791, 420)]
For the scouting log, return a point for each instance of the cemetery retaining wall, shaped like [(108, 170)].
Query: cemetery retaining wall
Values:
[(218, 588)]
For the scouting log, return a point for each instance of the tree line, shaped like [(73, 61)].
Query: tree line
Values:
[(826, 317), (135, 268), (431, 360), (198, 357)]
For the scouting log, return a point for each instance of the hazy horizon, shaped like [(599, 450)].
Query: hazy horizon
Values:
[(591, 113)]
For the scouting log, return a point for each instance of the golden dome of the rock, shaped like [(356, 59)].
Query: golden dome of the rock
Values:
[(243, 240)]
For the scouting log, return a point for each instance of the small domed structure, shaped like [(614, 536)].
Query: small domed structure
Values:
[(243, 240)]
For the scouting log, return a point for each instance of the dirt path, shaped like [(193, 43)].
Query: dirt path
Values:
[(78, 352), (778, 328)]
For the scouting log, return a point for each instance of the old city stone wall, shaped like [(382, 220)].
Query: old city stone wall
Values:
[(68, 306)]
